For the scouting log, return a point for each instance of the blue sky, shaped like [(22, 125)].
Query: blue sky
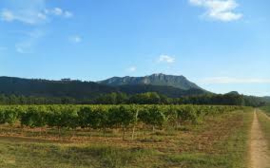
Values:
[(222, 45)]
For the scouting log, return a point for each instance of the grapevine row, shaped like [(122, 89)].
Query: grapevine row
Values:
[(109, 116)]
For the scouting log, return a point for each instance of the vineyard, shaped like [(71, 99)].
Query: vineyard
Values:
[(123, 135), (101, 117)]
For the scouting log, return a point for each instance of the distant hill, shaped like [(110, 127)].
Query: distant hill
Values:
[(80, 89), (160, 79), (20, 90), (50, 88)]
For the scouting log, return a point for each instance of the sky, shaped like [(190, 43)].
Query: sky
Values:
[(222, 45)]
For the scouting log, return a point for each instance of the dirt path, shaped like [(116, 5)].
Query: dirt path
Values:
[(258, 146)]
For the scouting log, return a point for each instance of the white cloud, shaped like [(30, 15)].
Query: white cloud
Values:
[(59, 12), (25, 11), (42, 16), (28, 44), (7, 15), (31, 12), (230, 80), (22, 16), (222, 10), (68, 14), (132, 69), (24, 48), (166, 59), (75, 39)]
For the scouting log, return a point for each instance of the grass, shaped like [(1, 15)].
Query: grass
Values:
[(266, 109), (230, 151), (197, 160), (219, 141), (265, 125), (28, 155)]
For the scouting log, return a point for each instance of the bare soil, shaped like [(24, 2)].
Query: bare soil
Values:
[(258, 146)]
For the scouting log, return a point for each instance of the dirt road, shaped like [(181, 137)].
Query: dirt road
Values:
[(258, 146)]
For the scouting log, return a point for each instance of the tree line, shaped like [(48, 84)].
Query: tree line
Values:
[(117, 98)]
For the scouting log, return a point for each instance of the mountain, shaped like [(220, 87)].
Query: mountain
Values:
[(50, 88), (168, 85), (68, 91), (160, 79)]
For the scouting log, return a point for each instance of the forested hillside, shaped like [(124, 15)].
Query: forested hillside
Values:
[(50, 88), (38, 91), (82, 90)]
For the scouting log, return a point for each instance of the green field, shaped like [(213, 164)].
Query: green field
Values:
[(266, 109), (198, 136), (265, 123)]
